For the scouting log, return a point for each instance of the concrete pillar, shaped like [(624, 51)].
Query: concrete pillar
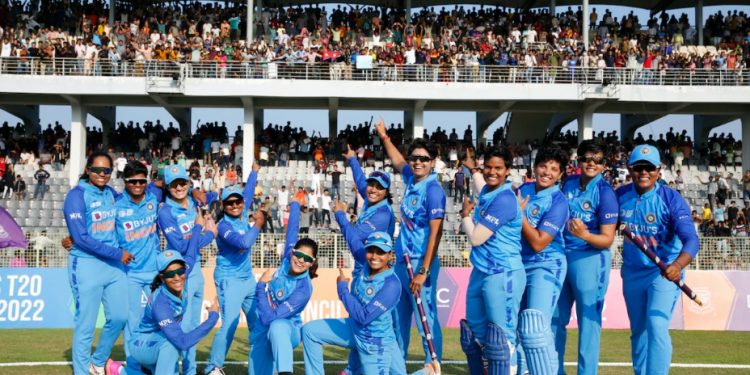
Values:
[(699, 21), (28, 113), (108, 117), (745, 141), (111, 13), (585, 24), (333, 118), (408, 11), (552, 6), (250, 24), (77, 160), (585, 125), (418, 119), (629, 123), (248, 135)]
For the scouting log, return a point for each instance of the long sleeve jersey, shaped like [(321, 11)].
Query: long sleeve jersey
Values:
[(369, 304)]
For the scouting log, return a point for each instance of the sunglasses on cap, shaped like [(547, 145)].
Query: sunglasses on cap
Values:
[(300, 255), (233, 202), (136, 181), (422, 158), (173, 273), (643, 167), (588, 159), (101, 170)]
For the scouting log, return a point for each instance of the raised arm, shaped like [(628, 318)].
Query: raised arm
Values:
[(360, 180), (252, 180), (292, 228), (393, 153)]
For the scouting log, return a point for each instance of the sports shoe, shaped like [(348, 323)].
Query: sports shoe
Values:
[(112, 367), (96, 370), (216, 371)]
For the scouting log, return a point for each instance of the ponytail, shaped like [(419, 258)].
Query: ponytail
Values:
[(156, 283)]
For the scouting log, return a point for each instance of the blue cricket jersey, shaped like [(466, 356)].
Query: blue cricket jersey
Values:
[(369, 305), (236, 238), (178, 225), (499, 211), (423, 201), (595, 205), (287, 294), (136, 231), (547, 210), (662, 219), (90, 217)]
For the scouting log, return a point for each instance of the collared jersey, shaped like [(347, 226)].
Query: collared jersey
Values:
[(178, 225), (547, 210), (595, 205), (236, 238), (288, 294), (90, 217), (423, 201), (369, 305), (136, 231), (661, 218), (498, 210)]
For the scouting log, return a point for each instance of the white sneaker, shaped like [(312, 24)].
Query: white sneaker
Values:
[(96, 370), (216, 371)]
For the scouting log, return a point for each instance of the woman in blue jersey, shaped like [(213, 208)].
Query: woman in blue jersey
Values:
[(661, 218), (588, 235), (542, 251), (281, 296), (422, 213), (376, 216), (96, 265), (498, 278), (233, 276), (177, 218), (158, 340), (369, 328)]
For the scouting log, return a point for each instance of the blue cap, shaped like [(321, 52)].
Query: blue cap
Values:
[(383, 178), (175, 172), (229, 191), (167, 257), (645, 153), (380, 239)]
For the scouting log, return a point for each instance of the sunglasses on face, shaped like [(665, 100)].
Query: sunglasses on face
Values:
[(233, 202), (136, 181), (643, 167), (303, 256), (101, 170), (178, 183), (588, 159), (422, 158), (173, 273)]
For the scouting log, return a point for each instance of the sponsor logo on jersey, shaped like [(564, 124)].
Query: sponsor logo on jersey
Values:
[(75, 215), (96, 204), (184, 228), (128, 225), (96, 216)]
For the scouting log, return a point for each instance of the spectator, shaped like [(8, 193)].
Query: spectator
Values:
[(336, 182), (746, 185), (41, 177), (732, 212), (719, 212), (679, 182), (459, 181), (19, 186), (7, 182), (120, 164), (325, 206), (19, 260)]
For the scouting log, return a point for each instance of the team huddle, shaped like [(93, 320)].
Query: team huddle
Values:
[(535, 251)]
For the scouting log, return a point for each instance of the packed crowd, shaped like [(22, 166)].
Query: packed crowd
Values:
[(205, 32)]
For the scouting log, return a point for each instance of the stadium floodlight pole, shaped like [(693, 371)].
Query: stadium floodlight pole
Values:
[(660, 263), (423, 318)]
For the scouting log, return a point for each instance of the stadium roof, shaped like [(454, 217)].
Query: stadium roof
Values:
[(654, 5)]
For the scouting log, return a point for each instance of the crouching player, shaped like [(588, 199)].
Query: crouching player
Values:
[(498, 278), (157, 342), (369, 328), (661, 218)]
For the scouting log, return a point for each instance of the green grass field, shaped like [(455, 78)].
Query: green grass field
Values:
[(689, 347)]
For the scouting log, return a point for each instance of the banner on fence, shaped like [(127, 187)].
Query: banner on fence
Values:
[(41, 298)]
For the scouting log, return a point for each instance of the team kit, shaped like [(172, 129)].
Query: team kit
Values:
[(536, 251)]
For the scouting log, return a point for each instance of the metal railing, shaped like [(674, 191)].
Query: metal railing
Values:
[(379, 72), (716, 253)]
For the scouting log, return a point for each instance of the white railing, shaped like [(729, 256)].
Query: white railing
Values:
[(178, 71), (716, 253)]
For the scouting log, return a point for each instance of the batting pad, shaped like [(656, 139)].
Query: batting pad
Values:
[(536, 338), (471, 348), (497, 351)]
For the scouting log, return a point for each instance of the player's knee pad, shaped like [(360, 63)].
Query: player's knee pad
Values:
[(497, 351), (536, 340), (471, 348)]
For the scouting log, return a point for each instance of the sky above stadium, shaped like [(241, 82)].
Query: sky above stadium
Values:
[(317, 120)]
